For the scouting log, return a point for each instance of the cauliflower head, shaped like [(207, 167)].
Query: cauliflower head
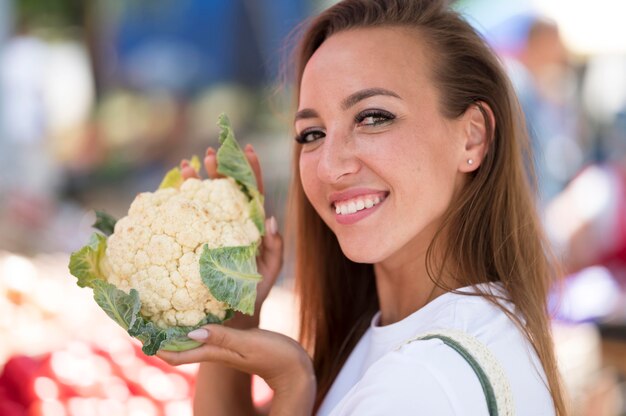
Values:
[(184, 256), (156, 248)]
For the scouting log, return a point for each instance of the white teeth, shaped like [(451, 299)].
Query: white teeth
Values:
[(356, 205)]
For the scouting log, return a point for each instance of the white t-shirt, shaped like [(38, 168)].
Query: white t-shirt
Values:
[(429, 378)]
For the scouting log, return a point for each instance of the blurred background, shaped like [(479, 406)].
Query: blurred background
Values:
[(98, 99)]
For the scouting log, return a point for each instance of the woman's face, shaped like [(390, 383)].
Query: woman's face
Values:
[(380, 164)]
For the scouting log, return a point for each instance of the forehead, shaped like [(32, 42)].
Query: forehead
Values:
[(390, 57)]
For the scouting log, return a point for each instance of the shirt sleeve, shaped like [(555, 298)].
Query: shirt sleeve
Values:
[(422, 378)]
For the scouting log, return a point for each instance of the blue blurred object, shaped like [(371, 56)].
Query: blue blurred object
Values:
[(504, 24), (184, 45)]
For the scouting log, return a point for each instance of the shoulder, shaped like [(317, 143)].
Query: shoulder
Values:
[(492, 327), (424, 377), (428, 374)]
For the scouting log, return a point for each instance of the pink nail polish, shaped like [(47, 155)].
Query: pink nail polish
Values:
[(199, 334), (272, 226)]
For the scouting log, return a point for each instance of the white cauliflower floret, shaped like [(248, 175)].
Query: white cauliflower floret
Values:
[(156, 248)]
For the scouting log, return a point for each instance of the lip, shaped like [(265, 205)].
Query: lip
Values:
[(355, 192), (348, 219)]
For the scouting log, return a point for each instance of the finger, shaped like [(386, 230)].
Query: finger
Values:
[(210, 163), (220, 344), (187, 171), (205, 352), (272, 247), (253, 159)]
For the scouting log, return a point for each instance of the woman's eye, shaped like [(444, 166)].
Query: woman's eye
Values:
[(374, 118), (308, 136)]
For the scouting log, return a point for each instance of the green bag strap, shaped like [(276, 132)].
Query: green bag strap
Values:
[(490, 373)]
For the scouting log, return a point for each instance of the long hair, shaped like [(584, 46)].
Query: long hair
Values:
[(491, 230)]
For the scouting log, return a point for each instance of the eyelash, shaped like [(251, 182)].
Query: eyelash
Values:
[(302, 137), (383, 117), (380, 117)]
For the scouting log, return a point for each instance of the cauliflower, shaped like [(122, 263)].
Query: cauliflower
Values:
[(156, 248), (184, 255)]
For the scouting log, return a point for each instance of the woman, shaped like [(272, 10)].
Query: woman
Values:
[(413, 216)]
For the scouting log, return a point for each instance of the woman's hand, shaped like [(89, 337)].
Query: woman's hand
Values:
[(279, 360), (270, 259), (232, 352)]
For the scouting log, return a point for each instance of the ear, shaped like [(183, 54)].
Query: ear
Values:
[(479, 125)]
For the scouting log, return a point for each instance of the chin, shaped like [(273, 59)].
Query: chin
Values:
[(360, 254)]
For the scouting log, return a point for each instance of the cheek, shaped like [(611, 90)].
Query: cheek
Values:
[(423, 169)]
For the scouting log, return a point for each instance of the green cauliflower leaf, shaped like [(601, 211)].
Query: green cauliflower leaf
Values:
[(232, 161), (105, 223), (122, 307), (231, 276), (85, 263)]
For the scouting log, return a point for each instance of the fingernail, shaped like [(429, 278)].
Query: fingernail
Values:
[(249, 148), (272, 226), (199, 334), (210, 151), (184, 163)]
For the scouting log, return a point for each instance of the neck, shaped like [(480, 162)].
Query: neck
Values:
[(403, 283), (402, 290)]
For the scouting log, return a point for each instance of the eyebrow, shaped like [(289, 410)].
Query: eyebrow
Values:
[(352, 99), (349, 101)]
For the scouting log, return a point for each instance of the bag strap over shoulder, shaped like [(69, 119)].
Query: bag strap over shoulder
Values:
[(490, 373)]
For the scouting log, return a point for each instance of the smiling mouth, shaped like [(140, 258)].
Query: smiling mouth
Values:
[(354, 205)]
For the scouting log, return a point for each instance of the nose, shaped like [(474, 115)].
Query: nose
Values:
[(338, 158)]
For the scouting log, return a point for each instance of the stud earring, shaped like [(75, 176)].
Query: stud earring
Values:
[(470, 161)]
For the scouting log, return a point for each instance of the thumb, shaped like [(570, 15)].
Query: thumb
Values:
[(219, 336), (220, 344)]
